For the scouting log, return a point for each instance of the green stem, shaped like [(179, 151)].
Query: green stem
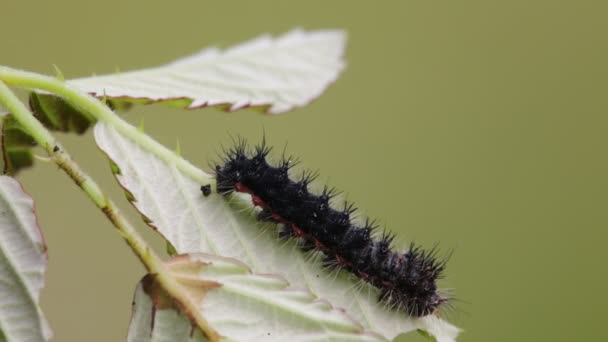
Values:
[(91, 105), (61, 157)]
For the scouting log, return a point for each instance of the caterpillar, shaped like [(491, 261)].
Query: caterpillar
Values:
[(406, 280)]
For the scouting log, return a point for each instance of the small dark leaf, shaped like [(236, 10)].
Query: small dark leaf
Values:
[(16, 146), (56, 114)]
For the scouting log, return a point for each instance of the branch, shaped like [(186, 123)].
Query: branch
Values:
[(61, 157), (89, 104)]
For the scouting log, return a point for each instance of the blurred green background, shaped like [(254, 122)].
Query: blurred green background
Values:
[(477, 125)]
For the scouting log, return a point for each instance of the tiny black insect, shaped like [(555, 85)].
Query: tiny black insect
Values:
[(206, 189), (406, 280)]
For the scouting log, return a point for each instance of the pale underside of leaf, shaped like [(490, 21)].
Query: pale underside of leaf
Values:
[(22, 266), (274, 73), (172, 202), (242, 306), (154, 324)]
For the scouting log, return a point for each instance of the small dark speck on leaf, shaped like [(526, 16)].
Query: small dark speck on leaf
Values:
[(56, 148), (206, 189)]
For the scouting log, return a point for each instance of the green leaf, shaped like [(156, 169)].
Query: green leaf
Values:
[(56, 114), (168, 246), (53, 112), (16, 145), (274, 74), (238, 305), (172, 202), (22, 266)]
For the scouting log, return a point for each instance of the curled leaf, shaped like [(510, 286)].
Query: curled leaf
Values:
[(15, 144), (239, 306), (58, 115), (53, 112)]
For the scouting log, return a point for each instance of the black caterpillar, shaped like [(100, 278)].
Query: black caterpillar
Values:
[(406, 280)]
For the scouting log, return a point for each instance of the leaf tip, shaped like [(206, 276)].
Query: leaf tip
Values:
[(114, 167), (178, 148), (58, 74), (170, 249), (130, 196), (146, 219)]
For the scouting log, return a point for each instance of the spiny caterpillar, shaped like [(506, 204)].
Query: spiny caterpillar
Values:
[(406, 280)]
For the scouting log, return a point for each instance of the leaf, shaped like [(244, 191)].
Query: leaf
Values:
[(276, 74), (152, 321), (239, 305), (15, 144), (22, 266), (58, 115), (54, 113), (171, 202)]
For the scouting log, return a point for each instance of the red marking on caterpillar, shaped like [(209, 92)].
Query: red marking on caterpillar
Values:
[(406, 280), (297, 232)]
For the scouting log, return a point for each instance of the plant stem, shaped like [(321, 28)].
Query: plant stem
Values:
[(148, 257), (91, 105)]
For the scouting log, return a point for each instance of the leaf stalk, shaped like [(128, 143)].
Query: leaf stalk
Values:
[(62, 158)]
